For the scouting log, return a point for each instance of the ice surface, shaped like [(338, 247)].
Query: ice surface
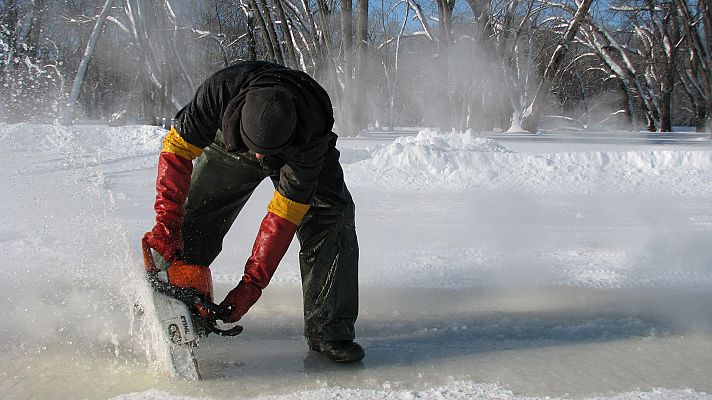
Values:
[(485, 273), (455, 390)]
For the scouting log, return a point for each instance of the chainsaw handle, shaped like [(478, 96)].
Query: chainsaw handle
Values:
[(186, 295), (216, 313), (234, 331), (191, 298), (148, 261), (214, 309)]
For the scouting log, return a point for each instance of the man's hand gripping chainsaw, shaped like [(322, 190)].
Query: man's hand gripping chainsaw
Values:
[(191, 286)]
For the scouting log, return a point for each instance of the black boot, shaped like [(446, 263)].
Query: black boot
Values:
[(339, 351)]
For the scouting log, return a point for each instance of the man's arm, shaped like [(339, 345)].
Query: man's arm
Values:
[(199, 120), (276, 233), (297, 182), (175, 165), (195, 128)]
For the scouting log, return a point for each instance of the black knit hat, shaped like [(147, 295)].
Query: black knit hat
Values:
[(268, 119)]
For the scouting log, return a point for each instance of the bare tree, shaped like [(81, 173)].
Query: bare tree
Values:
[(348, 123), (269, 21), (696, 74), (485, 65), (287, 35), (533, 112), (644, 60), (361, 100), (86, 58)]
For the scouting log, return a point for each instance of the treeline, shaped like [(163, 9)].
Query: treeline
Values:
[(467, 64)]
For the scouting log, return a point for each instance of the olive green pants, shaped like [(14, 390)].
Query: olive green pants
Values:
[(221, 184)]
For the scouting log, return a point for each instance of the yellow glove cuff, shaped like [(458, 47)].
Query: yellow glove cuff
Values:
[(287, 209)]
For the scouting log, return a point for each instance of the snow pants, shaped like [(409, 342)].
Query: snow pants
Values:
[(221, 184)]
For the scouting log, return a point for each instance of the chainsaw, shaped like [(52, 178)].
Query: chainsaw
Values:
[(184, 315)]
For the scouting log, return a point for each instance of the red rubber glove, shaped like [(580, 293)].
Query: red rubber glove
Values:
[(270, 245), (172, 186)]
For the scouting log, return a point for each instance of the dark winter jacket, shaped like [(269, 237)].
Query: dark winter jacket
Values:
[(223, 94)]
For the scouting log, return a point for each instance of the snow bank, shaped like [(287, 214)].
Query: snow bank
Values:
[(430, 160), (434, 160)]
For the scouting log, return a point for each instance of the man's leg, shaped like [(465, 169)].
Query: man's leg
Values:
[(220, 186), (329, 267)]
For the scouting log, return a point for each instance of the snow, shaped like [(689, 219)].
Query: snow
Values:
[(491, 268), (459, 161), (456, 390)]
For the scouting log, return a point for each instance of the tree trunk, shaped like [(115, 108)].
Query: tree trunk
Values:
[(251, 45), (269, 46), (287, 34), (279, 57), (698, 40), (483, 107), (313, 33), (179, 57), (392, 94), (445, 8), (530, 119), (448, 98), (422, 18), (361, 100), (666, 108), (706, 11), (708, 122), (666, 89), (36, 28), (347, 34), (349, 111), (84, 64), (338, 100)]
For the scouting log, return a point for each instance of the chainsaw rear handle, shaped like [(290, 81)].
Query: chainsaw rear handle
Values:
[(189, 296), (148, 261)]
